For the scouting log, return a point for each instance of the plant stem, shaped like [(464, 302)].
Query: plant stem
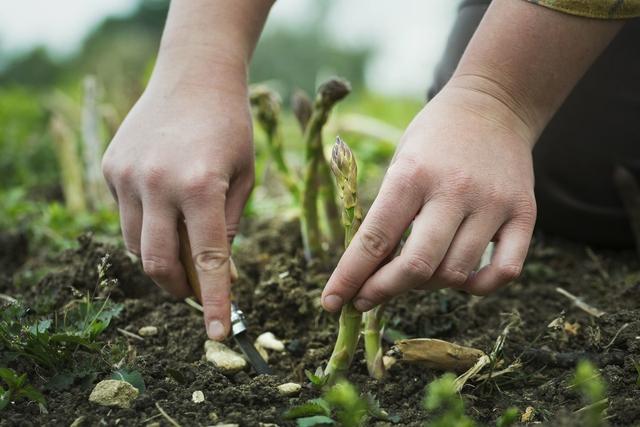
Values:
[(267, 108), (346, 343), (373, 342), (71, 169), (328, 94), (344, 168)]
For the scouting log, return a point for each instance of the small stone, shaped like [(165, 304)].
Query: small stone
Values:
[(388, 361), (148, 331), (270, 342), (154, 424), (225, 359), (114, 393), (262, 352), (268, 425), (213, 417), (197, 396), (289, 389), (226, 425)]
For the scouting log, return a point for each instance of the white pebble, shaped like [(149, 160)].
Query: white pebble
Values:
[(148, 331), (270, 342), (289, 389), (225, 359), (197, 396)]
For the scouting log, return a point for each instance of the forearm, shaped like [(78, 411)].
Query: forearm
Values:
[(203, 39), (527, 59)]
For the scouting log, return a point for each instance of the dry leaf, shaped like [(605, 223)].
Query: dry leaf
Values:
[(438, 354)]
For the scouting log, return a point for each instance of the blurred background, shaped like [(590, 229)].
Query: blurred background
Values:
[(71, 69)]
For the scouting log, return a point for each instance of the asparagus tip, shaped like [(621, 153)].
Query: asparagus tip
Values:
[(333, 90)]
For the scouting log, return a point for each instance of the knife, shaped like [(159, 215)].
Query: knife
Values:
[(238, 325)]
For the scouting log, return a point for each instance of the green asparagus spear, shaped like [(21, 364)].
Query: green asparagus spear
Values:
[(267, 107), (316, 175), (344, 168)]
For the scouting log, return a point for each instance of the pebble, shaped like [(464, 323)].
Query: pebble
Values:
[(226, 425), (289, 389), (148, 331), (114, 393), (269, 341), (225, 359), (197, 396)]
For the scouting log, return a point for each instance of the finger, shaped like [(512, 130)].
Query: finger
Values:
[(130, 209), (159, 248), (237, 196), (512, 244), (391, 213), (465, 251), (433, 231), (206, 225)]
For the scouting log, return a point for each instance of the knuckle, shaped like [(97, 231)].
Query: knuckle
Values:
[(157, 267), (461, 183), (211, 259), (452, 277), (153, 177), (419, 268), (408, 175), (204, 183), (526, 208), (374, 242)]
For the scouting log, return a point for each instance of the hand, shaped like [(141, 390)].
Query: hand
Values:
[(185, 151), (462, 176)]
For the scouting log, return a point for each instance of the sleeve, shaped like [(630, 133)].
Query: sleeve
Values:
[(602, 9)]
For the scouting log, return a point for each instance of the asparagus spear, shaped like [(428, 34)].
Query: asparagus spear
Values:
[(344, 168), (317, 174), (373, 342), (267, 107)]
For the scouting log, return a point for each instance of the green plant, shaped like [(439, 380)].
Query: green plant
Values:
[(17, 387), (637, 366), (340, 403), (443, 398), (344, 168), (589, 383), (67, 346), (266, 104), (317, 177), (508, 418)]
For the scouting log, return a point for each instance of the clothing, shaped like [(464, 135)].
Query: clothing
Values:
[(595, 129), (604, 9)]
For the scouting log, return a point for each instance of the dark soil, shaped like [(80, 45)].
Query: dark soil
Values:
[(279, 293)]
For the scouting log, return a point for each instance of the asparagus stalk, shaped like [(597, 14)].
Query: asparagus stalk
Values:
[(71, 170), (267, 107), (344, 168), (316, 175), (373, 342), (301, 106)]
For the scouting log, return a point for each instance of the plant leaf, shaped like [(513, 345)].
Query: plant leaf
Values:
[(307, 409), (315, 421), (132, 377)]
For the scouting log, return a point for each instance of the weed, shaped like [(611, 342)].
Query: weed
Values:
[(17, 387), (588, 382)]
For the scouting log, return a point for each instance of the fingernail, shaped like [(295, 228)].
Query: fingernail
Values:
[(363, 305), (216, 330), (332, 302)]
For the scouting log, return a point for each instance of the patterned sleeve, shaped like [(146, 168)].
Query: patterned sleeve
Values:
[(603, 9)]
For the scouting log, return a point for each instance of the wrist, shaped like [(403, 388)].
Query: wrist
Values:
[(494, 101)]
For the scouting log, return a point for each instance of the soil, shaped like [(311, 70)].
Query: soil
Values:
[(279, 292)]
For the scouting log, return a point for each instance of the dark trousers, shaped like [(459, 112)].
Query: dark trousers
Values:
[(596, 128)]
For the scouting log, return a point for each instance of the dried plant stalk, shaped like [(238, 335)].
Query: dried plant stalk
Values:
[(70, 164), (439, 354)]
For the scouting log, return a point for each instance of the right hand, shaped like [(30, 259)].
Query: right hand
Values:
[(185, 150)]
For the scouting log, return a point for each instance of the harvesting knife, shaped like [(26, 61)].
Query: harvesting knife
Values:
[(238, 325)]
